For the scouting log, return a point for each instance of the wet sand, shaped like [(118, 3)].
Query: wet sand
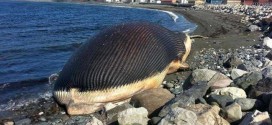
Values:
[(224, 31)]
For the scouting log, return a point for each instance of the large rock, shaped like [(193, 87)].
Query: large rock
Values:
[(247, 103), (179, 116), (188, 97), (219, 80), (253, 28), (95, 121), (221, 100), (267, 42), (221, 83), (233, 92), (247, 66), (256, 118), (112, 114), (202, 75), (235, 73), (248, 79), (133, 116), (266, 98), (207, 115), (264, 85), (267, 72), (234, 112), (152, 99)]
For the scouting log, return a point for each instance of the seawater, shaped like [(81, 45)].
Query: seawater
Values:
[(37, 38)]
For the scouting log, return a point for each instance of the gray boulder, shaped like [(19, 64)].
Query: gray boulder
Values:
[(112, 114), (267, 72), (179, 116), (232, 92), (234, 112), (220, 100), (253, 28), (248, 79), (247, 103), (133, 116), (188, 97), (267, 42), (202, 75), (235, 73)]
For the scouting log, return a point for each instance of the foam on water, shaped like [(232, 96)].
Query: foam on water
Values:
[(173, 15)]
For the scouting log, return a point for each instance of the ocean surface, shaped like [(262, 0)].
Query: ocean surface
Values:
[(37, 38)]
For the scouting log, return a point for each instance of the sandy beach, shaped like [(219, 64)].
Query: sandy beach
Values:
[(224, 31)]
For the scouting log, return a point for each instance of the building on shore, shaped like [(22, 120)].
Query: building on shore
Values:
[(183, 1), (168, 1), (233, 2), (197, 2), (214, 1), (256, 2)]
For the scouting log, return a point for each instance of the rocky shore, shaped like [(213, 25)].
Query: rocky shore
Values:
[(229, 80)]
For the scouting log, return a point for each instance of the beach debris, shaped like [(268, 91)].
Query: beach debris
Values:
[(198, 36), (41, 113), (53, 78)]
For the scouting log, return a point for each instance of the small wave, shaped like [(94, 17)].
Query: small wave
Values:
[(18, 103), (61, 48), (24, 83), (171, 14), (120, 6), (190, 30)]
